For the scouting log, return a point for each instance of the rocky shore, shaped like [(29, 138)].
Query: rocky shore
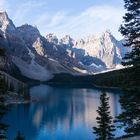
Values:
[(12, 98)]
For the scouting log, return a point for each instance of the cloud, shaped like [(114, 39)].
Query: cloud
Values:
[(50, 20), (28, 9), (23, 11), (103, 13), (42, 19), (91, 20), (57, 19)]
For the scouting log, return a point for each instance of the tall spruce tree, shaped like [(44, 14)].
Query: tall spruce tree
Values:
[(2, 52), (129, 119), (19, 136), (3, 127), (130, 29), (104, 120)]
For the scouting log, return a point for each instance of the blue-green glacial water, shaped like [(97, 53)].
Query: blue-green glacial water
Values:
[(59, 113)]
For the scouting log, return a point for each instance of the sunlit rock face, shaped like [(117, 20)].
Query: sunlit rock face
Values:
[(102, 46), (39, 47), (52, 38), (31, 52), (67, 40), (34, 54), (6, 25)]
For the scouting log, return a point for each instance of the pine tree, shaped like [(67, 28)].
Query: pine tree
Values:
[(20, 88), (19, 136), (129, 119), (3, 110), (2, 52), (3, 85), (131, 32), (104, 120), (27, 92), (11, 88)]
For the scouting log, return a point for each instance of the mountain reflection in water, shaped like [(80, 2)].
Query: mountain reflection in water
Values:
[(59, 113)]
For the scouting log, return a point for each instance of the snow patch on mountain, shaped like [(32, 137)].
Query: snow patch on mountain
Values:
[(93, 64), (80, 70)]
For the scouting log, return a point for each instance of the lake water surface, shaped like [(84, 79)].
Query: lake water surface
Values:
[(61, 113)]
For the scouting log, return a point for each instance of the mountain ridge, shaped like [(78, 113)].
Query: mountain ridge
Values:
[(39, 57)]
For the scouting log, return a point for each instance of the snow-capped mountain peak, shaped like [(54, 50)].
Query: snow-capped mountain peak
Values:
[(52, 38), (6, 25), (34, 54), (102, 46), (67, 40)]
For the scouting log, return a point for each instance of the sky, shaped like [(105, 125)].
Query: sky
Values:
[(77, 18)]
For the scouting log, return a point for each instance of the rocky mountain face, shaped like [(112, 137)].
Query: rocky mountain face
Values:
[(39, 57), (102, 46)]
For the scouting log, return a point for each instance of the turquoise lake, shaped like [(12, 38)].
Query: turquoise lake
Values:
[(60, 113)]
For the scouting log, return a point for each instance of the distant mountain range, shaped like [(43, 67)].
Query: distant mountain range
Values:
[(38, 57)]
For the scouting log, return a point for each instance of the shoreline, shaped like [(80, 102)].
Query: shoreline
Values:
[(13, 98), (106, 87)]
